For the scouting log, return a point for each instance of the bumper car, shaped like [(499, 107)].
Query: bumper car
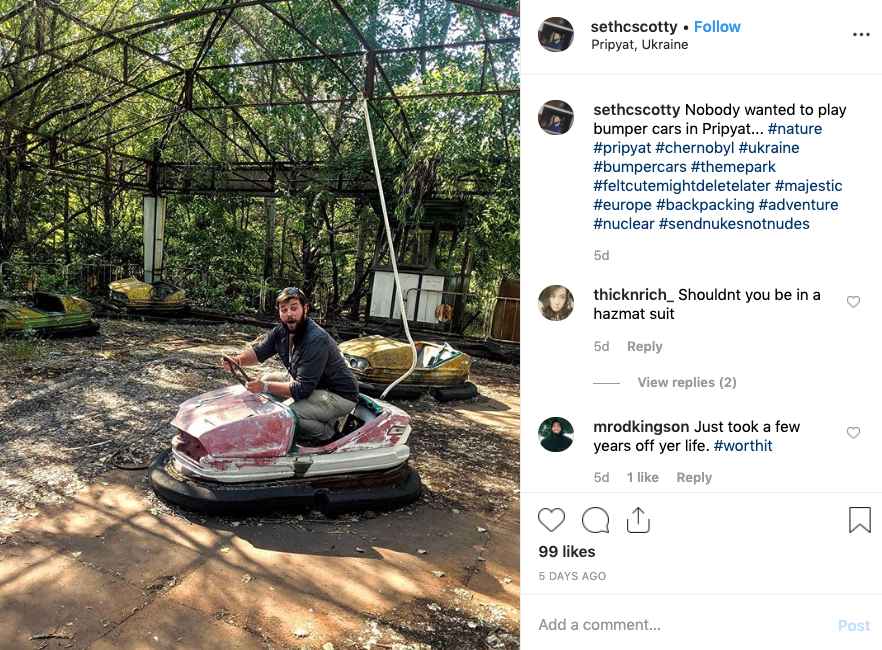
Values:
[(48, 314), (236, 451), (377, 361), (160, 297)]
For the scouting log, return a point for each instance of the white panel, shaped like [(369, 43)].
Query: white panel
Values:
[(149, 205), (381, 297), (430, 297), (159, 244), (408, 281)]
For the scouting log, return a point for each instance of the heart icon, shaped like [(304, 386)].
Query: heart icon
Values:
[(551, 519), (854, 301), (853, 432)]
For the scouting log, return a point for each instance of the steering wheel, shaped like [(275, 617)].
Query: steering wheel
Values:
[(236, 370)]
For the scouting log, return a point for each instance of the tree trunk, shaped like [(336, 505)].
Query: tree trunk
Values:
[(269, 208), (355, 305), (327, 212), (308, 257), (282, 247), (107, 203), (66, 232)]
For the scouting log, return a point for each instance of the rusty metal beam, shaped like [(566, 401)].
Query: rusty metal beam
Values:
[(54, 73), (496, 84), (235, 111), (186, 93), (222, 13), (255, 40), (210, 155), (49, 137), (512, 40), (227, 137), (367, 46), (496, 9), (12, 14), (95, 111), (116, 40), (318, 49), (151, 24), (342, 100)]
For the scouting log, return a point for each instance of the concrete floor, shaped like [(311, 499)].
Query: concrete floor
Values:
[(109, 569)]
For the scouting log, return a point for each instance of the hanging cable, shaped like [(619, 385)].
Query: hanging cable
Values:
[(392, 257)]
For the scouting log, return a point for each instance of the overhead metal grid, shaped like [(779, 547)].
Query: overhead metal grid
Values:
[(214, 100)]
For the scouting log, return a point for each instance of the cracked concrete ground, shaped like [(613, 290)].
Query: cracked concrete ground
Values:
[(90, 558)]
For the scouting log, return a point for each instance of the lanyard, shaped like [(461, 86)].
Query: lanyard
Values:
[(290, 353)]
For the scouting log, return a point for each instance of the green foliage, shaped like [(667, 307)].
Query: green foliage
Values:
[(219, 299), (23, 347), (214, 234)]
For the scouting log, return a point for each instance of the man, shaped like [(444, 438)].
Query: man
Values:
[(555, 42), (323, 387), (557, 441), (556, 125)]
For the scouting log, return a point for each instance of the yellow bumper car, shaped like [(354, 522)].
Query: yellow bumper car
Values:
[(441, 370), (48, 314), (140, 297)]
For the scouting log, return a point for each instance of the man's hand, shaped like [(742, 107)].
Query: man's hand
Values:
[(255, 386), (226, 364)]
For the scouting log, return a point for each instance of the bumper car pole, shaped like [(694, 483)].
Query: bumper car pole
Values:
[(392, 256)]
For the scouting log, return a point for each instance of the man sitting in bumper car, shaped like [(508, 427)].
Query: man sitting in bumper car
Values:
[(318, 378)]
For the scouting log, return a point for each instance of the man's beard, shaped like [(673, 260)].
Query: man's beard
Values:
[(295, 327)]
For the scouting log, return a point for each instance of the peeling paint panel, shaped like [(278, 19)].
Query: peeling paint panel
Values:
[(438, 364), (233, 436)]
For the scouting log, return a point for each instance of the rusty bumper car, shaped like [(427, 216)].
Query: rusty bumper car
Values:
[(158, 298), (236, 451), (377, 361), (47, 315)]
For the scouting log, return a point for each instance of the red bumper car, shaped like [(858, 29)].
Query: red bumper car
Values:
[(236, 452)]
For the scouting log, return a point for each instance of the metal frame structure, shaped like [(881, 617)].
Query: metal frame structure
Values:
[(207, 106)]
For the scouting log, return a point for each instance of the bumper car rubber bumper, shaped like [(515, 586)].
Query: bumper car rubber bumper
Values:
[(63, 331), (331, 495), (404, 391)]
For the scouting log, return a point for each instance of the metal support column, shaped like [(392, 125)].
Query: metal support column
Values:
[(154, 237)]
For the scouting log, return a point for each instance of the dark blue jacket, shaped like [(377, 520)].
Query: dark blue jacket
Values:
[(315, 361)]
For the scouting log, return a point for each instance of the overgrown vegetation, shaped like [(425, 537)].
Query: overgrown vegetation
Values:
[(70, 144), (23, 347)]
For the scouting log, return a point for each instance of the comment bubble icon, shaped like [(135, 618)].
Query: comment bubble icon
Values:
[(595, 520)]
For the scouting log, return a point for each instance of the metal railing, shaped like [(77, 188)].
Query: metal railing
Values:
[(23, 277), (76, 278), (467, 308), (93, 279)]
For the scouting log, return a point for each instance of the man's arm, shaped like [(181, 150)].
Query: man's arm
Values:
[(277, 388), (309, 371)]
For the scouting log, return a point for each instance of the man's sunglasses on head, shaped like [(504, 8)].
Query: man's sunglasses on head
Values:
[(290, 292)]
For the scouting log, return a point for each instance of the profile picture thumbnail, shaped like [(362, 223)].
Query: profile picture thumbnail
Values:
[(556, 434), (556, 302), (556, 34), (556, 117)]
